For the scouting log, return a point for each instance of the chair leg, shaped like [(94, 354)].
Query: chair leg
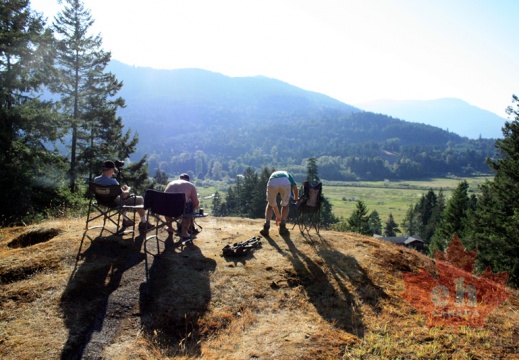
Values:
[(81, 245)]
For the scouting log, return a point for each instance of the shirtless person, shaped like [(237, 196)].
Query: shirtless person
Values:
[(182, 185)]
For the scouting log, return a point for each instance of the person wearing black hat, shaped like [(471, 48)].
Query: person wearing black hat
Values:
[(182, 185), (107, 179)]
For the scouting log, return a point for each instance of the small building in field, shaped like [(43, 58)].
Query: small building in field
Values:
[(408, 241)]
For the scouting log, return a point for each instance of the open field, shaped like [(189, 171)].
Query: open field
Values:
[(389, 197), (385, 197)]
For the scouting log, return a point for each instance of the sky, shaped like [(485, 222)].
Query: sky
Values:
[(355, 51)]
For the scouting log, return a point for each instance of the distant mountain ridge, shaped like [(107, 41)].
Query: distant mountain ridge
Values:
[(170, 106), (198, 84), (216, 126), (450, 114)]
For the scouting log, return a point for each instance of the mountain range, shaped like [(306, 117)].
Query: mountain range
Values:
[(450, 114), (190, 115)]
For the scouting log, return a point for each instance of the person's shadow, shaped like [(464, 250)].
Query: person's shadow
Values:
[(177, 293), (334, 303), (345, 268), (85, 299)]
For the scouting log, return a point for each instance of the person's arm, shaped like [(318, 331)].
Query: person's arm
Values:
[(295, 191), (194, 198), (125, 191)]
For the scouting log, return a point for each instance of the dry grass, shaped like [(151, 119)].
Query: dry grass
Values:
[(332, 296)]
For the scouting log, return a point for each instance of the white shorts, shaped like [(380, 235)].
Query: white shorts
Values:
[(279, 186)]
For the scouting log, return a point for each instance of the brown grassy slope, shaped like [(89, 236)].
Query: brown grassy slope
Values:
[(337, 295)]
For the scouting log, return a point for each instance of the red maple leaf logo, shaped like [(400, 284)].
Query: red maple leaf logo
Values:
[(457, 297)]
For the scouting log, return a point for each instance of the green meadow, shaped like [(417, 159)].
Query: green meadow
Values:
[(389, 196), (384, 196)]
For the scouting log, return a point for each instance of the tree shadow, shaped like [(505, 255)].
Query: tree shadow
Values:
[(85, 299), (334, 303), (175, 296)]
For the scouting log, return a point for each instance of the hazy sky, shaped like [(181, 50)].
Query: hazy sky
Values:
[(352, 50)]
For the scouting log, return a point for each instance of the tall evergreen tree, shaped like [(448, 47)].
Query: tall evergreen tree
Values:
[(410, 223), (312, 170), (218, 205), (247, 193), (232, 199), (359, 220), (426, 207), (259, 197), (391, 227), (453, 219), (375, 224), (428, 211), (495, 226), (29, 173), (88, 95), (327, 216)]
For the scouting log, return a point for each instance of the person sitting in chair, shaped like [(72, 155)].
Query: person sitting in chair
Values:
[(182, 185), (282, 183), (107, 179)]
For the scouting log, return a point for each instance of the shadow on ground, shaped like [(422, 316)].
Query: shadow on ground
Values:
[(85, 299), (175, 296), (334, 303)]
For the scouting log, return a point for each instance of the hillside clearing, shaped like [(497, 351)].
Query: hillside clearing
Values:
[(337, 295)]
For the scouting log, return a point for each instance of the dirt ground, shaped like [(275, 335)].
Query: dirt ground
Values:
[(301, 296)]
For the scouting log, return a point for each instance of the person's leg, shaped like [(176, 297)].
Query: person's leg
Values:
[(134, 200), (268, 216), (284, 213), (187, 221), (268, 213), (285, 201), (186, 225), (169, 223)]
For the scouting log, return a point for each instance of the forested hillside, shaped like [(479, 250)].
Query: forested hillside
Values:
[(451, 114), (217, 126)]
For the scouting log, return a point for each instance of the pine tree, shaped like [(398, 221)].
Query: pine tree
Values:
[(495, 224), (359, 220), (248, 203), (29, 173), (391, 227), (375, 224), (410, 223), (327, 216), (453, 219), (218, 205), (232, 200), (161, 177), (312, 170), (88, 96), (259, 197)]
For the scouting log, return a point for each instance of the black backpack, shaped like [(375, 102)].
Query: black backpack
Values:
[(242, 248)]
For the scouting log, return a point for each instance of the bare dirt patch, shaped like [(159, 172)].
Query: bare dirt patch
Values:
[(33, 237)]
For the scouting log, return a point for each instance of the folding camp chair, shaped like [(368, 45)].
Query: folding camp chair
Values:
[(103, 205), (308, 209), (157, 204)]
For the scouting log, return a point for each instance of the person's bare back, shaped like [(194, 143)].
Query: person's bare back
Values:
[(183, 186)]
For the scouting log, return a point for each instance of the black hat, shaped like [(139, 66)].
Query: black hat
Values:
[(109, 165), (184, 176)]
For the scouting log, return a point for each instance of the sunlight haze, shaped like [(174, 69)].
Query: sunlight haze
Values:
[(354, 51)]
